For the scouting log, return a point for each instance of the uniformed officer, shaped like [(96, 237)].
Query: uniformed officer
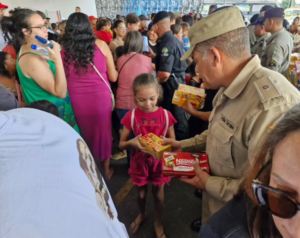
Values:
[(250, 100), (170, 69), (279, 47), (252, 36), (262, 36)]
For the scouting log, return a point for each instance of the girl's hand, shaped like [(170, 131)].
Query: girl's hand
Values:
[(136, 143), (54, 54)]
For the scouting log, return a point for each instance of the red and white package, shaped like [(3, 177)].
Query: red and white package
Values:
[(180, 164)]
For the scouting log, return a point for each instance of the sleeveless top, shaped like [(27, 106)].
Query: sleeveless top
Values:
[(33, 92)]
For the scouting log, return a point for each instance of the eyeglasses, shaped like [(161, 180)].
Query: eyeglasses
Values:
[(274, 200), (43, 27)]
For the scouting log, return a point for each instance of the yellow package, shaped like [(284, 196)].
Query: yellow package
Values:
[(192, 91), (154, 146), (181, 100)]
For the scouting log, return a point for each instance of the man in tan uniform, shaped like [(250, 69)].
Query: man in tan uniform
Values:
[(250, 100), (262, 35), (277, 54)]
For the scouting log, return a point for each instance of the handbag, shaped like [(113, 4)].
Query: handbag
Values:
[(113, 104)]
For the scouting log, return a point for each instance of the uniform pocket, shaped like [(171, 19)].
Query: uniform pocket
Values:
[(222, 144)]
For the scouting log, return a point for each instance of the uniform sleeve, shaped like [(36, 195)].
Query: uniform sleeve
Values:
[(172, 120), (256, 127), (166, 59), (195, 144), (126, 121), (274, 57)]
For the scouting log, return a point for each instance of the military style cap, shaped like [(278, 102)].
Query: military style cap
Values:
[(276, 12), (218, 23), (260, 21), (160, 16)]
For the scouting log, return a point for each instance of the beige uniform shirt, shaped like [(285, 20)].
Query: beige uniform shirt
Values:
[(252, 35), (242, 115), (260, 45), (278, 52)]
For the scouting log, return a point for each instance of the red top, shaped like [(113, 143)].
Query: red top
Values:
[(104, 35), (10, 50), (148, 122)]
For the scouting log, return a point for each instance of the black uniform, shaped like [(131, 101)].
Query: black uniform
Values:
[(168, 60)]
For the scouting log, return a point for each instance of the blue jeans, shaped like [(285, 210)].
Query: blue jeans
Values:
[(121, 113)]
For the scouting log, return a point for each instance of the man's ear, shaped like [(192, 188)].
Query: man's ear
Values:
[(25, 31), (216, 56)]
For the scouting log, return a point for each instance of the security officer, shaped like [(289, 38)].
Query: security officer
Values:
[(170, 70), (278, 52), (250, 100), (262, 36), (252, 36)]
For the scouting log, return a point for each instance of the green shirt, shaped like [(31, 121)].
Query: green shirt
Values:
[(33, 92)]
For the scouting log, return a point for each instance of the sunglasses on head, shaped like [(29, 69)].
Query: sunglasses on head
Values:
[(274, 200)]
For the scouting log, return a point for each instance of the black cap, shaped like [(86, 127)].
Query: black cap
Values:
[(260, 21), (160, 16), (143, 18), (266, 8), (254, 18), (276, 12)]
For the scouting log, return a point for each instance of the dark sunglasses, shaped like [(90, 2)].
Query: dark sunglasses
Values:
[(274, 200)]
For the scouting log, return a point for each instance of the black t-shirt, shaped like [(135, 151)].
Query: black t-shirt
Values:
[(154, 48), (144, 32)]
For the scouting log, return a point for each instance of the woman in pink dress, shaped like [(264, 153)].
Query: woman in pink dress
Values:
[(90, 95)]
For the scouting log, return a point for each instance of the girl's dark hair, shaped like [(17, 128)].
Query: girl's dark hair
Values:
[(101, 23), (45, 106), (20, 19), (12, 27), (175, 28), (133, 43), (78, 43), (188, 19), (119, 51), (3, 70), (295, 20), (146, 80), (53, 25), (116, 25), (260, 221), (178, 21)]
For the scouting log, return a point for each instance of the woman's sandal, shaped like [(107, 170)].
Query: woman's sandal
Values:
[(162, 235)]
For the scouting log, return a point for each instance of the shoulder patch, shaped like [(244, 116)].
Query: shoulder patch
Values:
[(275, 52), (272, 63), (165, 51), (266, 89)]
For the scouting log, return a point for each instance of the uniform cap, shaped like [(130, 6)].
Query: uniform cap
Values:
[(276, 12), (214, 25), (143, 18), (266, 8), (92, 18), (160, 16), (260, 21)]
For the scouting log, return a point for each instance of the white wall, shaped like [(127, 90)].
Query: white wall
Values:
[(66, 7)]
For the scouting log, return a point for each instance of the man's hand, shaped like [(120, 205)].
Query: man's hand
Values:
[(188, 107), (151, 54), (199, 180), (176, 147)]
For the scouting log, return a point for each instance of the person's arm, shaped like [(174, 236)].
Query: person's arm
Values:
[(112, 73), (274, 57), (188, 107), (171, 133), (126, 144), (165, 64), (162, 76), (38, 69)]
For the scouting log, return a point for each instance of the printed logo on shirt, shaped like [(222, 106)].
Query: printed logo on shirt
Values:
[(165, 51), (145, 122), (88, 165), (275, 52)]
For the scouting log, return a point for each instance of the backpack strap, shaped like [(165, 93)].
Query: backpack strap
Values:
[(132, 120), (167, 122)]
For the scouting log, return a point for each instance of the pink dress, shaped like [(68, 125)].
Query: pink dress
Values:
[(91, 103), (143, 167)]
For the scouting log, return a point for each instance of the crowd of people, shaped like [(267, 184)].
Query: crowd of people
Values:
[(102, 76)]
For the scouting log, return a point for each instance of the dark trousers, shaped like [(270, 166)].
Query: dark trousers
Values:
[(181, 127)]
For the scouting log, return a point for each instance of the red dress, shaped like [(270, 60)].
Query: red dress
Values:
[(144, 168)]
